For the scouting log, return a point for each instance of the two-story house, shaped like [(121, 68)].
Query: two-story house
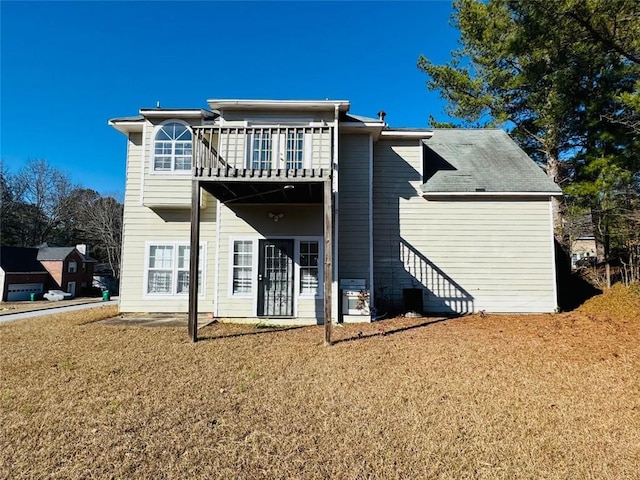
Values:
[(300, 208), (70, 268)]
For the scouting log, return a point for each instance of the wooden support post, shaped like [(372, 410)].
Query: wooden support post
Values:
[(328, 259), (194, 260)]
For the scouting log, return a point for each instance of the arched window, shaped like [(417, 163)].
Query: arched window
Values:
[(172, 148)]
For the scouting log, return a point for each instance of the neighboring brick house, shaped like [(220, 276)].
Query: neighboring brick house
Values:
[(70, 268), (21, 274)]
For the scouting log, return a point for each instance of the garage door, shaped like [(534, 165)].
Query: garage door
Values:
[(22, 291)]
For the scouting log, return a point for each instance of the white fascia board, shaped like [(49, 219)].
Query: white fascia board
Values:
[(362, 124), (181, 113), (407, 134), (357, 127), (491, 194), (237, 104), (126, 126)]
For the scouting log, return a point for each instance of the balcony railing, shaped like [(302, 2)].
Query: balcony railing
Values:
[(227, 152)]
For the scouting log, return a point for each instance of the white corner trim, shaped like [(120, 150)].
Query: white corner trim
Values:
[(554, 278), (216, 271), (143, 169), (335, 314), (371, 286)]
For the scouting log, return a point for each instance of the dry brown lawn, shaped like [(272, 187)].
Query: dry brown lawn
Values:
[(540, 396)]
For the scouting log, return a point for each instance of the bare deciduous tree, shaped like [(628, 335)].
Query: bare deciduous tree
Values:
[(103, 221), (45, 190)]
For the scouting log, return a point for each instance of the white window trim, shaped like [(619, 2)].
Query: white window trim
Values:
[(296, 266), (75, 268), (278, 148), (152, 147), (175, 244), (254, 267), (320, 293)]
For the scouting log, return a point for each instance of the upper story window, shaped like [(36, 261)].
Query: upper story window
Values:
[(262, 150), (279, 148), (73, 266), (172, 148), (295, 150)]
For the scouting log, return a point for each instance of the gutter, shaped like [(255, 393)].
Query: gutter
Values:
[(491, 194)]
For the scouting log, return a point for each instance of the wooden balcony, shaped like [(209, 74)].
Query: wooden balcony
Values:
[(263, 164), (262, 153)]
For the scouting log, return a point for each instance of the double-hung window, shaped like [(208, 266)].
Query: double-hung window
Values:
[(242, 283), (73, 266), (309, 268), (168, 269), (172, 148)]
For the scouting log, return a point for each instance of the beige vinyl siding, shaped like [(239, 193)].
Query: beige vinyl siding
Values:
[(164, 189), (466, 253), (252, 222), (142, 225), (233, 148), (353, 221)]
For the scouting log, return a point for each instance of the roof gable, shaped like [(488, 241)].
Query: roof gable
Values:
[(481, 160)]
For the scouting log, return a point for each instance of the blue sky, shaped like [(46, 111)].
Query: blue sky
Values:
[(67, 67)]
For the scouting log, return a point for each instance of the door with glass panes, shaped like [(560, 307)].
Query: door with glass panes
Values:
[(275, 278)]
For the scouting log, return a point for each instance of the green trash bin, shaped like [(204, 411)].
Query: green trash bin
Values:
[(106, 295)]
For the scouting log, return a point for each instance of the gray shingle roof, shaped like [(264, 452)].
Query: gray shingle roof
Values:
[(134, 118), (60, 253), (351, 117), (480, 160), (54, 253)]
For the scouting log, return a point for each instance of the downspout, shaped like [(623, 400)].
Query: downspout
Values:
[(216, 293), (219, 206), (371, 286), (336, 210), (553, 256)]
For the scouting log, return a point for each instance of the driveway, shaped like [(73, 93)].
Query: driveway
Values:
[(39, 309)]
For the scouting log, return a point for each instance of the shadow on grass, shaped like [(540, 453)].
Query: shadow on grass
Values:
[(258, 330), (384, 332)]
